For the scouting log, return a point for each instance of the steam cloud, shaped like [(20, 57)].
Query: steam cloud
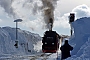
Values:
[(46, 7), (48, 11)]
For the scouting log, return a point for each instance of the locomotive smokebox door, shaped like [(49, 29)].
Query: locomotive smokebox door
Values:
[(71, 17)]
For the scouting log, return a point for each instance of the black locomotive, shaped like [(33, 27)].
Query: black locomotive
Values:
[(50, 42)]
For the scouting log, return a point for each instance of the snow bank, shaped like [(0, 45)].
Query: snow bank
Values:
[(80, 39)]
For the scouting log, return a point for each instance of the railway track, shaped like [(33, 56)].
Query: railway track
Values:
[(42, 56)]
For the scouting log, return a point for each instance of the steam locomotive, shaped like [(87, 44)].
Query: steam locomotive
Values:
[(50, 42)]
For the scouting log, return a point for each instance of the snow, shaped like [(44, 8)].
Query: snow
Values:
[(80, 40), (26, 41)]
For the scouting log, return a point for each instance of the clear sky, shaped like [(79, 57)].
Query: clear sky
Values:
[(29, 11)]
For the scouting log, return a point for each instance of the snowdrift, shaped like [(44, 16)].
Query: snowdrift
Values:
[(80, 39)]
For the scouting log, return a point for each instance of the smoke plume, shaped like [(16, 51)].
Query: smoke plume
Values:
[(48, 11), (25, 9)]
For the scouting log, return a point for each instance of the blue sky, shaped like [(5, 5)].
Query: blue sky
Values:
[(29, 11)]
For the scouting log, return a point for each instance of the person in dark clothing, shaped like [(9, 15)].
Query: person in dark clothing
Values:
[(65, 50)]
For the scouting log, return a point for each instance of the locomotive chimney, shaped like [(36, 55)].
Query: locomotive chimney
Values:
[(50, 24)]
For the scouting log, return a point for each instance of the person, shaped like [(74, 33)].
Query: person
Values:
[(65, 50)]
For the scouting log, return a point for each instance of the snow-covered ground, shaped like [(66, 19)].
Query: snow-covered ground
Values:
[(80, 40)]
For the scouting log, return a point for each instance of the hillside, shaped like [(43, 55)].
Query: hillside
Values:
[(27, 41)]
